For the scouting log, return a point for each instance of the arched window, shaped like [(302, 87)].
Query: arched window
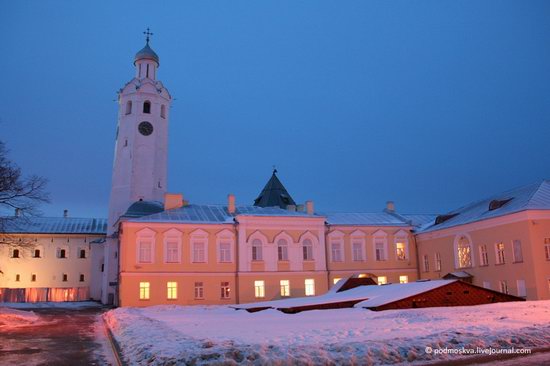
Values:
[(147, 107), (257, 250), (282, 249), (307, 246), (464, 253), (163, 111), (129, 107)]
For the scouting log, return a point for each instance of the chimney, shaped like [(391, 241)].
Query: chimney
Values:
[(291, 208), (173, 200), (231, 203), (65, 213), (17, 212), (309, 207), (390, 206)]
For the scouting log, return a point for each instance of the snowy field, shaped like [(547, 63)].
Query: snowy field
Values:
[(221, 335)]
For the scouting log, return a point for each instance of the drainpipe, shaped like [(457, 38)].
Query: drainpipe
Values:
[(327, 229), (417, 255), (236, 225)]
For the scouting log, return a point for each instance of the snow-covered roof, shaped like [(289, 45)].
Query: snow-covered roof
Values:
[(365, 219), (535, 196), (54, 225), (371, 296)]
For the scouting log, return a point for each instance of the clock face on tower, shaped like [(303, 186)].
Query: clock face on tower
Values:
[(145, 128)]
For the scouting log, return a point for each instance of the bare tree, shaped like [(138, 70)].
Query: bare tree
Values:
[(20, 195)]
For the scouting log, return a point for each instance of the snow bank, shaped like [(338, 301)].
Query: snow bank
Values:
[(51, 304), (219, 334), (16, 318)]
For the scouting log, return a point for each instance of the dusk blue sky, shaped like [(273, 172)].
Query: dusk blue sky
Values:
[(432, 104)]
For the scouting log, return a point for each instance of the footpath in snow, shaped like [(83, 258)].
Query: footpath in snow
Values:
[(219, 334)]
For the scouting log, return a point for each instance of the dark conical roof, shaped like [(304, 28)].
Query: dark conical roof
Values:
[(146, 53), (274, 194)]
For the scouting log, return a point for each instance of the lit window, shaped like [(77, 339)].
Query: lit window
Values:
[(199, 252), (225, 252), (81, 279), (172, 290), (145, 251), (225, 290), (310, 287), (464, 251), (147, 107), (172, 251), (144, 288), (282, 250), (483, 256), (199, 290), (82, 253), (438, 261), (336, 251), (403, 279), (307, 248), (400, 251), (426, 263), (259, 289), (357, 249), (380, 249), (257, 250), (335, 280), (285, 288), (382, 280), (64, 277), (518, 253), (499, 249), (129, 107), (503, 286)]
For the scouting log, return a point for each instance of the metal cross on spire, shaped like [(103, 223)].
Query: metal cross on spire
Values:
[(147, 35)]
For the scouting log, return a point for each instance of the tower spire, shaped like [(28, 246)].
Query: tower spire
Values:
[(147, 35)]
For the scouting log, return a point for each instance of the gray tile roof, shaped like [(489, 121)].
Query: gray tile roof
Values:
[(365, 219), (54, 225), (535, 196)]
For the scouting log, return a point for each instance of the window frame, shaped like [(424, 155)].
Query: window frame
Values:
[(171, 290), (500, 254), (309, 287), (259, 289), (143, 236), (144, 290), (172, 236)]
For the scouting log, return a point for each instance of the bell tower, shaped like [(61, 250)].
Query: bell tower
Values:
[(140, 159)]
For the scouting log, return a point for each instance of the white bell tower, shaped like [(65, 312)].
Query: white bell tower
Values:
[(140, 163)]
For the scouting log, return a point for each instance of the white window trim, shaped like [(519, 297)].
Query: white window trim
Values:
[(383, 236), (402, 237), (314, 246), (358, 236), (225, 236), (198, 236), (455, 250), (171, 235), (497, 258), (289, 242), (337, 237), (263, 239), (514, 259), (145, 234)]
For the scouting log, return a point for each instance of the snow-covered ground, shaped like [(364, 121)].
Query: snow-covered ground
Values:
[(10, 318), (51, 304), (219, 334)]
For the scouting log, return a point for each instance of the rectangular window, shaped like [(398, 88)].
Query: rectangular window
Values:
[(225, 252), (426, 263), (547, 250), (518, 253), (171, 290), (199, 252), (335, 280), (310, 287), (307, 249), (257, 250), (499, 250), (61, 253), (64, 276), (487, 285), (357, 249), (336, 252), (17, 278), (382, 280), (259, 289), (199, 290), (81, 279), (145, 251), (225, 290), (403, 279), (144, 288), (522, 292), (33, 277), (400, 251), (438, 262), (282, 252), (380, 248), (503, 286), (36, 253), (172, 251), (82, 253), (285, 288), (483, 256), (15, 253)]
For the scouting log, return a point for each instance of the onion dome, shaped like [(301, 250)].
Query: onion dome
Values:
[(146, 53)]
